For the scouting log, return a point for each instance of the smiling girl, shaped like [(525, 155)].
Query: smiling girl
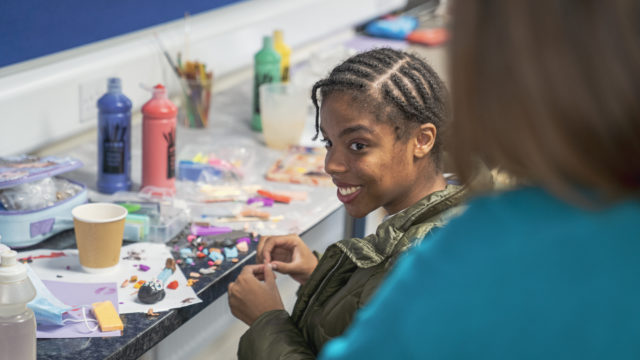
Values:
[(381, 114)]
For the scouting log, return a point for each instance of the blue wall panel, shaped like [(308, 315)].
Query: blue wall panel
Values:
[(34, 28)]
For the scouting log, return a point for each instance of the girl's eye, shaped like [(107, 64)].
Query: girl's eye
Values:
[(357, 146), (326, 142)]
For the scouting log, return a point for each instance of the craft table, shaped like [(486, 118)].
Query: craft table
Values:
[(182, 333), (229, 123)]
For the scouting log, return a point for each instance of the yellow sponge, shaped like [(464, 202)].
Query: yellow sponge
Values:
[(107, 316)]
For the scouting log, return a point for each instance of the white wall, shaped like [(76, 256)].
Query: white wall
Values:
[(50, 99)]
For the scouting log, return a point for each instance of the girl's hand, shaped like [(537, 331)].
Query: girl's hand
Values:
[(249, 297), (287, 254)]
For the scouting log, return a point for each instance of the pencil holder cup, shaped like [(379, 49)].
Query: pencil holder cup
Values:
[(196, 99)]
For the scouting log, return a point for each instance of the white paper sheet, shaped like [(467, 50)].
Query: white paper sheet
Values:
[(67, 268)]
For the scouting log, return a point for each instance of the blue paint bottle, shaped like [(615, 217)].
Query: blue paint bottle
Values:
[(114, 139)]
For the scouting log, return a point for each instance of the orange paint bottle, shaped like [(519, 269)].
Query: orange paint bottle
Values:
[(159, 141)]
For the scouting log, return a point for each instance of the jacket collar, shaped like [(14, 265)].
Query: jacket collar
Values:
[(375, 248)]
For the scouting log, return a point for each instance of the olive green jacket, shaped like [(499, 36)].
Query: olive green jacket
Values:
[(345, 278)]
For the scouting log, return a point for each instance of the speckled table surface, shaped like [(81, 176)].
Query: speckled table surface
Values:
[(229, 124), (142, 332)]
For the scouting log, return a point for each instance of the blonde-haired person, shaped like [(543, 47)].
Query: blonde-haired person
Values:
[(549, 91)]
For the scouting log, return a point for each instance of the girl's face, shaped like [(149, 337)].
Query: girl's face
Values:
[(370, 167)]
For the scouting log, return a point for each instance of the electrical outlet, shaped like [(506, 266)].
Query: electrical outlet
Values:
[(90, 92)]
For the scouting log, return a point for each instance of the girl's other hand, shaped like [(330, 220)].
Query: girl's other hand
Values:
[(287, 254), (249, 298)]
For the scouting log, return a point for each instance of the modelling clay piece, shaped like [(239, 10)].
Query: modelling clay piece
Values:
[(133, 278), (215, 256), (139, 284), (125, 283), (107, 316), (153, 291), (242, 247), (173, 285), (230, 252), (209, 270), (277, 197), (143, 267), (234, 260), (186, 252), (227, 243), (194, 274)]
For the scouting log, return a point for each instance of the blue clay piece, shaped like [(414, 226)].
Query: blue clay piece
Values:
[(215, 256), (230, 252)]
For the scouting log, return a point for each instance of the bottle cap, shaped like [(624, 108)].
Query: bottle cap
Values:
[(159, 92), (277, 36), (10, 269), (114, 85), (267, 42)]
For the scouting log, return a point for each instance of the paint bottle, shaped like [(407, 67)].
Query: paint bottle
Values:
[(266, 70), (17, 321), (114, 139), (285, 53), (159, 141)]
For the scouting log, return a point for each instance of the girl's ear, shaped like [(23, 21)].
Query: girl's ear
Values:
[(424, 138)]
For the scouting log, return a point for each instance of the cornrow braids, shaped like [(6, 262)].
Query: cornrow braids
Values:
[(399, 87)]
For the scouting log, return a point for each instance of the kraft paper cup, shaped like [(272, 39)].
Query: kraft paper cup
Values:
[(99, 228)]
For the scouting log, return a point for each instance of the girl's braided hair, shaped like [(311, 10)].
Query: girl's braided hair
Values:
[(396, 86)]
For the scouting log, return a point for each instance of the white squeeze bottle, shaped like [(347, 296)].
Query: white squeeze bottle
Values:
[(17, 322)]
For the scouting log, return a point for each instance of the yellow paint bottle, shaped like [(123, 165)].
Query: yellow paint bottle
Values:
[(285, 53)]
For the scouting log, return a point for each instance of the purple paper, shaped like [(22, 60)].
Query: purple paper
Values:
[(76, 295), (209, 230)]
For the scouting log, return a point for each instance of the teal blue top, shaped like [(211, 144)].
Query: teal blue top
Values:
[(520, 275)]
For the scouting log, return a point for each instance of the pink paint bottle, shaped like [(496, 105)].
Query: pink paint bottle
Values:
[(159, 141)]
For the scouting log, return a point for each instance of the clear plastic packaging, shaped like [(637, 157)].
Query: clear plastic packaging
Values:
[(153, 215), (38, 194), (215, 164)]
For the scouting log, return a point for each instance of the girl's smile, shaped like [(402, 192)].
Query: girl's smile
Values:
[(366, 161)]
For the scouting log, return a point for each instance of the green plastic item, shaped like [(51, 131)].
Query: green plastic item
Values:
[(266, 70), (131, 208)]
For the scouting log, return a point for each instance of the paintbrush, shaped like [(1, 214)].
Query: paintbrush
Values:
[(175, 69)]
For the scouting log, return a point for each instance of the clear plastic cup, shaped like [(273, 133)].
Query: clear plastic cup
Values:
[(284, 110)]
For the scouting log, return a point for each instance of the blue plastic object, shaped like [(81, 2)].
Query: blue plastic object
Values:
[(191, 171), (22, 228), (394, 28), (114, 139)]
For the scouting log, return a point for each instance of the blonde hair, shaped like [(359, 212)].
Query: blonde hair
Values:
[(549, 91)]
